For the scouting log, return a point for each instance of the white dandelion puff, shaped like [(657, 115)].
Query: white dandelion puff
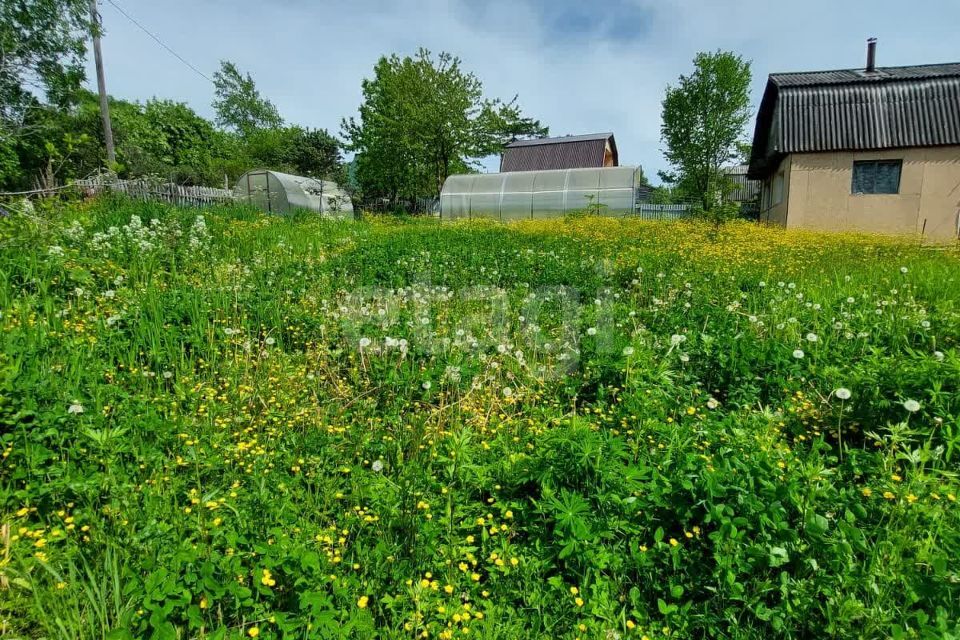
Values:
[(842, 393)]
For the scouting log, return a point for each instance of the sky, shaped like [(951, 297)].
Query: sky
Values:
[(579, 67)]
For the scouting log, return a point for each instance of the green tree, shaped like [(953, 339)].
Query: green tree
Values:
[(703, 120), (316, 153), (423, 118), (42, 48), (238, 103)]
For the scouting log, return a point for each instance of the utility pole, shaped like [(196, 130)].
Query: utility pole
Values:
[(102, 85)]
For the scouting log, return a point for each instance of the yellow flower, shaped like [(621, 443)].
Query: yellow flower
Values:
[(867, 492), (579, 601), (448, 588), (911, 498), (362, 602), (888, 495), (253, 632), (475, 577), (203, 602), (61, 585), (673, 542), (508, 514), (631, 624), (22, 512), (574, 590)]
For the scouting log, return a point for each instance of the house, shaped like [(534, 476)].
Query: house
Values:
[(874, 149), (568, 152)]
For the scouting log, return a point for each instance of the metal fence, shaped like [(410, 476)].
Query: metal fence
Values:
[(425, 205), (648, 211)]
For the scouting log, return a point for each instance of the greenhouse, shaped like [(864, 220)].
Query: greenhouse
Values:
[(539, 194), (277, 192)]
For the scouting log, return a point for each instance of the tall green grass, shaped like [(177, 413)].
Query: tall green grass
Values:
[(222, 424)]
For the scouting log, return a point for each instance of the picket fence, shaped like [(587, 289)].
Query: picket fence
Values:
[(151, 190)]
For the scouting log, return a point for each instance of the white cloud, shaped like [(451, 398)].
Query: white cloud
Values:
[(309, 57)]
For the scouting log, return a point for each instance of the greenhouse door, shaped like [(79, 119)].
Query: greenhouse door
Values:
[(258, 188)]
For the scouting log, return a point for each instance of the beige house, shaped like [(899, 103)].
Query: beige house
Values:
[(874, 149)]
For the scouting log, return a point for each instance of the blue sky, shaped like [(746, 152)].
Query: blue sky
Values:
[(580, 67)]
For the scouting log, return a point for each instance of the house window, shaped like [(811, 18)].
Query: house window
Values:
[(876, 176)]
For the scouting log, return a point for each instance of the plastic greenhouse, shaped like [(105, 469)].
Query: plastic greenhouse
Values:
[(539, 194), (282, 193)]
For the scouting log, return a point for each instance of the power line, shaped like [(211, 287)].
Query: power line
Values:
[(159, 41)]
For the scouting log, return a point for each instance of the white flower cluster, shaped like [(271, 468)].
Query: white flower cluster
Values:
[(199, 234)]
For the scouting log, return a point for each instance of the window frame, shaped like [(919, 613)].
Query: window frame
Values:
[(875, 164)]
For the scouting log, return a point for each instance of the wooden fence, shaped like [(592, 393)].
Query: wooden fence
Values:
[(150, 190)]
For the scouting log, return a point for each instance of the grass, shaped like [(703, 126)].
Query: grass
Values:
[(242, 426)]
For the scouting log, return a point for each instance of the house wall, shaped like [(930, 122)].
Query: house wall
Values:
[(819, 193)]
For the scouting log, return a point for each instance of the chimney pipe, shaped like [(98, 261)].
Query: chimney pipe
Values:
[(871, 55)]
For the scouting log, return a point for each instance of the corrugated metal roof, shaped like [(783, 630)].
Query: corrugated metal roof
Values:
[(845, 76), (559, 140), (856, 110), (568, 152)]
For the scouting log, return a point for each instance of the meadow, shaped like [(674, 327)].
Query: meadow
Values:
[(219, 424)]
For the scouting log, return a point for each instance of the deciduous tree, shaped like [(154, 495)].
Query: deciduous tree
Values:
[(42, 48), (423, 118), (704, 117), (238, 103)]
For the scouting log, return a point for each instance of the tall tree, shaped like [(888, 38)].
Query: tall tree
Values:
[(316, 153), (423, 118), (703, 121), (238, 102), (42, 48)]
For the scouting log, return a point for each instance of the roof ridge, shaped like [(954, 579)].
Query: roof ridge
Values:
[(584, 137), (897, 66)]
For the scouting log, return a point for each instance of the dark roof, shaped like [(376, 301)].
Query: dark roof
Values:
[(852, 109), (567, 152)]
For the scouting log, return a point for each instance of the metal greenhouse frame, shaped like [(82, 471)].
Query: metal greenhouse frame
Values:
[(539, 194), (278, 192)]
